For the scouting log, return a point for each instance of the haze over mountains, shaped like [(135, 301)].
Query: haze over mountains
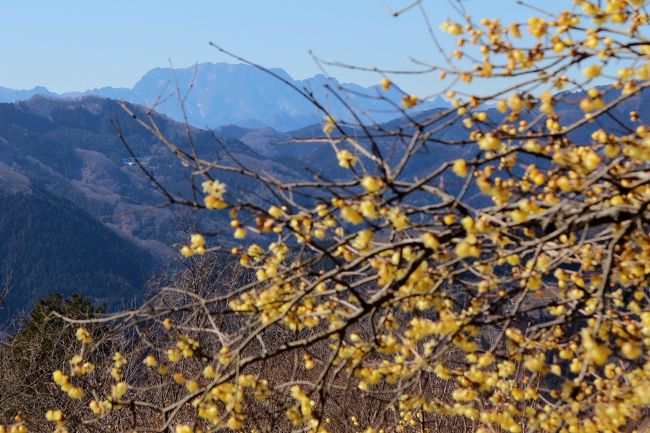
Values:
[(240, 94)]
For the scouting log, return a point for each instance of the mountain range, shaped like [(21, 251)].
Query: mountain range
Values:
[(239, 94), (72, 195), (77, 215)]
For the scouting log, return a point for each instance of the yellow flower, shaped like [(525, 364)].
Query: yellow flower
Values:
[(398, 219), (642, 391), (515, 101), (460, 168), (464, 394), (192, 386), (452, 28), (95, 406), (372, 184), (328, 126), (76, 393), (197, 246), (534, 363), (449, 219), (368, 209), (150, 361), (537, 26), (346, 159), (53, 415), (184, 428), (409, 101), (631, 350), (594, 352), (174, 354), (486, 359), (240, 233), (212, 202), (592, 71), (591, 161), (442, 372), (275, 212), (214, 188), (363, 239), (349, 214), (489, 142), (309, 361), (234, 423), (119, 360), (209, 372), (197, 241), (430, 241), (599, 354), (515, 30), (84, 336), (119, 390), (385, 84), (59, 378), (465, 249)]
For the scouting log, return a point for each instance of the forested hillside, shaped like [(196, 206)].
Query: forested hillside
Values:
[(48, 245)]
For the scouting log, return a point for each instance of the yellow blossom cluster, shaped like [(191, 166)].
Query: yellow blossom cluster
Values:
[(214, 191), (196, 246)]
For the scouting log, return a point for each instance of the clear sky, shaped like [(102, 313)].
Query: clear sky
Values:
[(70, 45)]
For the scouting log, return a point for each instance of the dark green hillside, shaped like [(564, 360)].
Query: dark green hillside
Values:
[(48, 245)]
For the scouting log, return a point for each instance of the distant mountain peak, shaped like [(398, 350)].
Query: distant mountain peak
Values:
[(244, 95)]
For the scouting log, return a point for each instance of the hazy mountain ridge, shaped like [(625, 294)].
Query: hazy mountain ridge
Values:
[(12, 95), (243, 95)]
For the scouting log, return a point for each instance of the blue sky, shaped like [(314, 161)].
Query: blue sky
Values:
[(80, 44)]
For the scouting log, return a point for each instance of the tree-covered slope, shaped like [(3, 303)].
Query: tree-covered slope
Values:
[(48, 245)]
